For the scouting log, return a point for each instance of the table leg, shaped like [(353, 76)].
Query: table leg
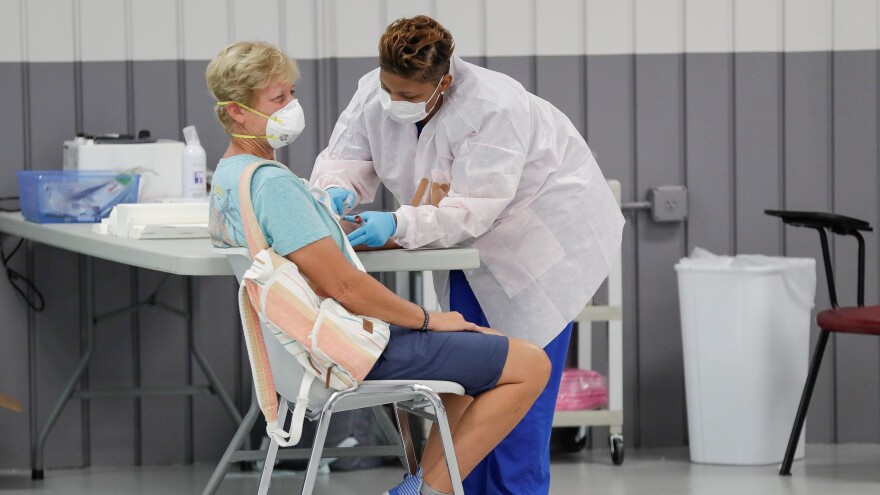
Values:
[(87, 334)]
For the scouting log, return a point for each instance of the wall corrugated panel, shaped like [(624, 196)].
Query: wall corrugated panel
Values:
[(744, 101)]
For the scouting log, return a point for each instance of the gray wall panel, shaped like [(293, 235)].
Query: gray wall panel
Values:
[(758, 151), (198, 104), (610, 128), (166, 421), (709, 151), (14, 336), (855, 194), (52, 106), (314, 138), (104, 97), (105, 109), (808, 150), (58, 346), (111, 421), (520, 68), (659, 160), (560, 80), (220, 332), (156, 99), (723, 128), (11, 128)]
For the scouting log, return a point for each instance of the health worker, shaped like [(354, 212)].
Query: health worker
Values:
[(476, 160)]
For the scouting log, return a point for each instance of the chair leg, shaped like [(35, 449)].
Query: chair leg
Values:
[(317, 449), (391, 433), (409, 460), (801, 416), (237, 441), (445, 437), (269, 466)]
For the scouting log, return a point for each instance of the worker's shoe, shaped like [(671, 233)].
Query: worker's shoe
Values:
[(411, 485)]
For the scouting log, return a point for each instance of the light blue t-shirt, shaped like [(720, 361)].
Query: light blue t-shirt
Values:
[(288, 214)]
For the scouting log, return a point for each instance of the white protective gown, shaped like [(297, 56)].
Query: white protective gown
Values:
[(510, 175)]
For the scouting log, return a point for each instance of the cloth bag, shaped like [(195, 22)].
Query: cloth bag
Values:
[(333, 345)]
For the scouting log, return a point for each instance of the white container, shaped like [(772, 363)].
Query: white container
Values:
[(193, 166), (158, 163), (746, 334)]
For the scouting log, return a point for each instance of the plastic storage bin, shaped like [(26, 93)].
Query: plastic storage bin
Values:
[(68, 196), (745, 324)]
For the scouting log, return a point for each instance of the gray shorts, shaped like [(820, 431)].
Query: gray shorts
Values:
[(471, 359)]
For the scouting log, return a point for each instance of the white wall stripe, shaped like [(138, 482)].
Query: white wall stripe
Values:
[(757, 25), (152, 22), (11, 49), (855, 24), (610, 27), (560, 30), (101, 40), (708, 26), (807, 25), (510, 27), (205, 28), (659, 26), (314, 29), (256, 20), (466, 20)]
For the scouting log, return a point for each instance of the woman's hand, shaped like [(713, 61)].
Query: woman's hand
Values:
[(489, 331), (452, 321)]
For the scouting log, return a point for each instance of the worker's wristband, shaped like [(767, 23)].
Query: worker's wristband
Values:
[(427, 319)]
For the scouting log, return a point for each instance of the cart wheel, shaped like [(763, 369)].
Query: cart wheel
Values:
[(574, 439), (616, 444)]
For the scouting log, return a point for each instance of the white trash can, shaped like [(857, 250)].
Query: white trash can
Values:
[(745, 324)]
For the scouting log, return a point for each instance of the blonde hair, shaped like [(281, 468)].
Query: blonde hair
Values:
[(242, 68), (418, 48)]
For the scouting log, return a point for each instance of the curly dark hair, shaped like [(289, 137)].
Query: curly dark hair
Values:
[(417, 48)]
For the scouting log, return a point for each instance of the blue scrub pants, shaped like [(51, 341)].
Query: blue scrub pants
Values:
[(520, 464)]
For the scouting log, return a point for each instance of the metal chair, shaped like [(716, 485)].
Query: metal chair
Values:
[(417, 397), (860, 319)]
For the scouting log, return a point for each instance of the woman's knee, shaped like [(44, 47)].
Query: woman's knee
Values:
[(527, 363)]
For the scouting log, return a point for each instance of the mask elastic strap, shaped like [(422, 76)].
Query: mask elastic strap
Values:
[(435, 92), (261, 114), (245, 136)]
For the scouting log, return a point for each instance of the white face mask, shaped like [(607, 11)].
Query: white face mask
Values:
[(407, 112), (282, 127)]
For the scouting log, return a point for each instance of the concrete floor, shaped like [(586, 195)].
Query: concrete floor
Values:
[(839, 470)]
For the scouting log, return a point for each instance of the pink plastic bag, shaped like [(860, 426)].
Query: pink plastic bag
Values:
[(581, 390)]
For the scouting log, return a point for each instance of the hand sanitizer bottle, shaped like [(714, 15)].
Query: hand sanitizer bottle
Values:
[(193, 164)]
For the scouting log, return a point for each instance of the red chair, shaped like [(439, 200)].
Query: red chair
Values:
[(860, 319)]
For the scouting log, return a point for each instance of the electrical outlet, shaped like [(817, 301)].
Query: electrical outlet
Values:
[(668, 203)]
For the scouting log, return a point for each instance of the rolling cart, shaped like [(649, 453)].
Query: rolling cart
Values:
[(612, 414)]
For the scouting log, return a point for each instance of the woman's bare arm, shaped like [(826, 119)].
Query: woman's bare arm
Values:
[(324, 265)]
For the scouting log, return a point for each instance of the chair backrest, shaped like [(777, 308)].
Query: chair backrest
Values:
[(286, 371), (837, 224)]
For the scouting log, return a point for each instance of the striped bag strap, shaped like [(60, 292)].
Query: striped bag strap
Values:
[(256, 241), (264, 383)]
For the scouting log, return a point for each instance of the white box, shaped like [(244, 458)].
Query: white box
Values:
[(159, 163), (745, 335)]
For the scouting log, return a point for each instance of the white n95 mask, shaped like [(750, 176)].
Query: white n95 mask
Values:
[(406, 112), (282, 127)]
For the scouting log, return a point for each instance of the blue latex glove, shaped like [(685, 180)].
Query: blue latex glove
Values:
[(343, 199), (376, 227)]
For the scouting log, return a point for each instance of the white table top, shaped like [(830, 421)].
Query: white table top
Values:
[(194, 256)]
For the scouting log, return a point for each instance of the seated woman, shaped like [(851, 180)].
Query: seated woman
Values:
[(254, 84)]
